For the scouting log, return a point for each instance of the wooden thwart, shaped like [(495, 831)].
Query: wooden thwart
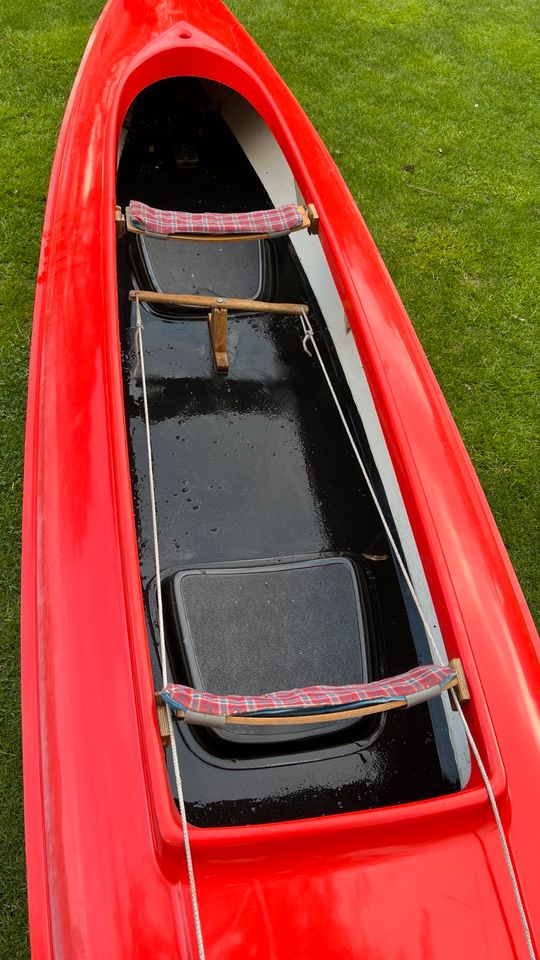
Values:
[(225, 303)]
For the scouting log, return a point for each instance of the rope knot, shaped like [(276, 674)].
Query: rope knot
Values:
[(308, 333)]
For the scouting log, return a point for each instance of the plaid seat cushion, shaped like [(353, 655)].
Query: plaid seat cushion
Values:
[(417, 684), (168, 222)]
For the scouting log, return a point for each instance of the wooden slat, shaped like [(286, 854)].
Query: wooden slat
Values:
[(225, 303), (217, 324)]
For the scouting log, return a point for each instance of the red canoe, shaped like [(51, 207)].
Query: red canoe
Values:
[(322, 534)]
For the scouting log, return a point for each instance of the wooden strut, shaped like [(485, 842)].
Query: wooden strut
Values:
[(217, 325), (225, 303)]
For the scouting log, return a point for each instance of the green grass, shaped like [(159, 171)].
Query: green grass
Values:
[(431, 111)]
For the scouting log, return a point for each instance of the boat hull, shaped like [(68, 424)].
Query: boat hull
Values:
[(106, 872)]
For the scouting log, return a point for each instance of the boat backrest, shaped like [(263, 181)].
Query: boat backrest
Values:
[(181, 225), (311, 704)]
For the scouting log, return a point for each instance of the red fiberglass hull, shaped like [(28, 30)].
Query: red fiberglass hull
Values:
[(106, 872)]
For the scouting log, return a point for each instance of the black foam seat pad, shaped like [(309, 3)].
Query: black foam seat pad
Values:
[(254, 629)]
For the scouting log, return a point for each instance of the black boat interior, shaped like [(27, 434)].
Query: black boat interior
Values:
[(276, 570)]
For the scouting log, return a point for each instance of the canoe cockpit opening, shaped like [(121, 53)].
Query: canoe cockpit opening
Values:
[(284, 605)]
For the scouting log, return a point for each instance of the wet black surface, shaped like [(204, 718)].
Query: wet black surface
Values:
[(251, 466)]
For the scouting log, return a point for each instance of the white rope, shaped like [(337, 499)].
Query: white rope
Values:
[(309, 337), (162, 647), (500, 828)]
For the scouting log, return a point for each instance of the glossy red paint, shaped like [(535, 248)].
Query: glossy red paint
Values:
[(106, 872)]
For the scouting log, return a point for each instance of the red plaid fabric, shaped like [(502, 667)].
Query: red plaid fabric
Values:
[(168, 222), (310, 699)]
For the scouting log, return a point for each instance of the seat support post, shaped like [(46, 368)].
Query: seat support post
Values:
[(217, 325), (163, 721), (461, 689)]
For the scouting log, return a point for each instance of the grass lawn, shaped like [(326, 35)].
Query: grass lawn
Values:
[(431, 111)]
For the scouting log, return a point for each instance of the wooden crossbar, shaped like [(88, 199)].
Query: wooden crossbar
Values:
[(217, 303)]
